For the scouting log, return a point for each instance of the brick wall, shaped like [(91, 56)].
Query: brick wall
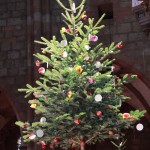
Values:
[(13, 58)]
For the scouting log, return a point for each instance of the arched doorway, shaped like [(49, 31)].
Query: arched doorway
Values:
[(9, 132)]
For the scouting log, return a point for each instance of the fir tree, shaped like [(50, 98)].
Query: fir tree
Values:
[(78, 95)]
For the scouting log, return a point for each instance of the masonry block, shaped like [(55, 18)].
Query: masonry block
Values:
[(13, 54), (14, 21), (5, 46), (124, 28), (3, 72), (2, 22), (120, 37), (20, 5)]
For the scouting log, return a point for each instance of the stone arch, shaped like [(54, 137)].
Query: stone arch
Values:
[(8, 116), (138, 90), (12, 101)]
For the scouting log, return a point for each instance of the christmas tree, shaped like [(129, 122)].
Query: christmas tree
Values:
[(78, 95)]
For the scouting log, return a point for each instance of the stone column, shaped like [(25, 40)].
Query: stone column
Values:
[(38, 24)]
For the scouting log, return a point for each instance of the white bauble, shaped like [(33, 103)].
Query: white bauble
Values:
[(98, 98), (98, 64), (139, 127), (87, 47), (32, 136), (39, 133), (64, 54), (64, 43), (43, 119)]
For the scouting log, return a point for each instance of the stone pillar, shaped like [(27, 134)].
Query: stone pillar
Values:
[(38, 24)]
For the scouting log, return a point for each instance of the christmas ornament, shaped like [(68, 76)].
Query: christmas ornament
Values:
[(134, 77), (86, 57), (82, 144), (43, 144), (90, 92), (93, 38), (84, 17), (63, 29), (51, 146), (120, 45), (32, 136), (98, 98), (33, 105), (91, 80), (37, 63), (56, 140), (98, 113), (39, 133), (139, 127), (87, 47), (78, 69), (110, 132), (132, 119), (64, 54), (38, 95), (40, 98), (68, 30), (43, 119), (25, 126), (77, 121), (126, 115), (64, 43), (69, 94), (98, 64), (108, 107), (41, 70)]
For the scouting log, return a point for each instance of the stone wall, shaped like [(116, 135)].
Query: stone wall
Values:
[(13, 69), (13, 51)]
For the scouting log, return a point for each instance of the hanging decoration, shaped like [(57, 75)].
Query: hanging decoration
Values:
[(139, 127)]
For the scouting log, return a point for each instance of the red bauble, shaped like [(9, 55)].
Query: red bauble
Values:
[(41, 70), (43, 144), (51, 146), (37, 63), (108, 107), (110, 132), (77, 121), (82, 143), (120, 45), (90, 92), (25, 126), (68, 30), (98, 113), (56, 140)]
